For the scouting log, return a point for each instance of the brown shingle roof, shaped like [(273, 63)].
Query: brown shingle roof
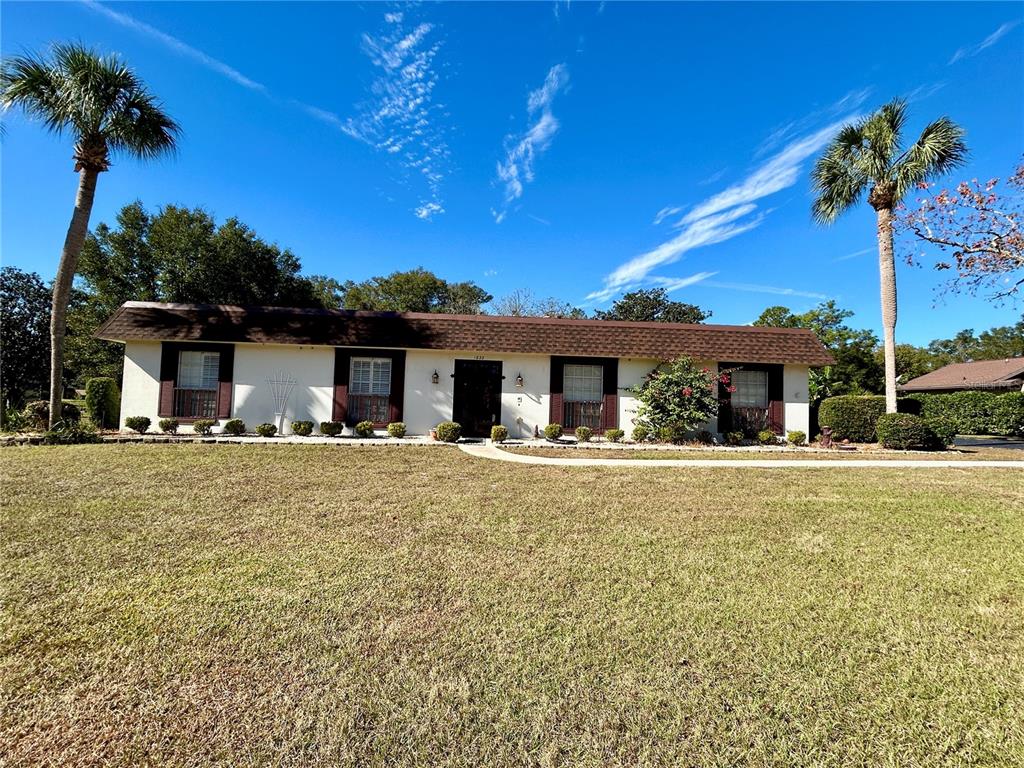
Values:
[(482, 333), (980, 374)]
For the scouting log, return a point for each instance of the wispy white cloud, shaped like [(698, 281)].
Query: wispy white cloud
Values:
[(521, 150), (175, 44), (716, 176), (401, 117), (848, 102), (675, 283), (726, 214), (922, 92), (664, 213), (854, 255), (973, 50), (216, 65), (539, 220), (754, 288)]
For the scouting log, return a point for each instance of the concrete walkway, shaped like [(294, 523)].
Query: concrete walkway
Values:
[(489, 451)]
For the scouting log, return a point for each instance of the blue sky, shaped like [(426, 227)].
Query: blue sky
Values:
[(574, 149)]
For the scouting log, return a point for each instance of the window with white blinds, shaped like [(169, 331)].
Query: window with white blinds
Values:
[(583, 383), (198, 370), (370, 376), (751, 389)]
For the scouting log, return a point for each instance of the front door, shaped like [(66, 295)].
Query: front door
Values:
[(477, 396)]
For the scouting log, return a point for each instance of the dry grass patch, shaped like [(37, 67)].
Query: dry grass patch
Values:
[(306, 605), (662, 453)]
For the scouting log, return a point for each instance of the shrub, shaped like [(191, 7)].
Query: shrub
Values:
[(137, 423), (364, 429), (37, 413), (641, 433), (234, 427), (679, 396), (704, 437), (734, 438), (396, 429), (583, 434), (796, 437), (331, 428), (499, 434), (302, 428), (203, 426), (671, 434), (904, 431), (614, 435), (266, 429), (170, 426), (12, 420), (102, 402), (976, 412), (767, 437), (553, 431), (853, 417), (70, 433), (449, 431), (943, 429)]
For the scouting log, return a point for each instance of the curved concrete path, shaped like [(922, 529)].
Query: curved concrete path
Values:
[(488, 451)]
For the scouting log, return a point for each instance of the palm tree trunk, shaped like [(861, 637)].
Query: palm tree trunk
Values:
[(887, 281), (73, 242)]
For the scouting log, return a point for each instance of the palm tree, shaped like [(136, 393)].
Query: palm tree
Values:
[(107, 109), (866, 155)]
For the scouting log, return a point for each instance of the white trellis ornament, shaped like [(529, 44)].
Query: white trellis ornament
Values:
[(281, 385)]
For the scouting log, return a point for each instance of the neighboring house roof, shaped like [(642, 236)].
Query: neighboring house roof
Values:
[(980, 374), (136, 321)]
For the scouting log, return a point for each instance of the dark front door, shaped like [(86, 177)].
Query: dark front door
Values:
[(477, 396)]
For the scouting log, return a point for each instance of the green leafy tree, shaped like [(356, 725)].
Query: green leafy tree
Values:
[(856, 369), (678, 396), (417, 290), (866, 156), (108, 111), (180, 255), (24, 338), (652, 305), (994, 344), (911, 362)]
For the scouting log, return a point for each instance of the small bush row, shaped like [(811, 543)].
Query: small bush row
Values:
[(908, 432)]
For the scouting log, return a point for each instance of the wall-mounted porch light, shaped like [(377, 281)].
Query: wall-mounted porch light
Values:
[(519, 379), (435, 377)]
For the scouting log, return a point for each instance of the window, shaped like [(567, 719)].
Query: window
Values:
[(751, 389), (369, 389), (583, 393), (198, 370), (195, 396), (583, 383)]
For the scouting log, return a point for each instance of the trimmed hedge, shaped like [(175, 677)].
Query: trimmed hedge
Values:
[(853, 417), (397, 429), (137, 423), (234, 427), (449, 431), (904, 432), (614, 435), (976, 412), (302, 428), (102, 402), (331, 428)]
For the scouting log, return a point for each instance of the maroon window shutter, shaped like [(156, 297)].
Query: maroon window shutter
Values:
[(557, 389), (168, 374), (225, 379), (339, 411), (610, 408), (776, 400), (397, 385)]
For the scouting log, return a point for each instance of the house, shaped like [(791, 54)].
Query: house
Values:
[(1007, 375), (191, 361)]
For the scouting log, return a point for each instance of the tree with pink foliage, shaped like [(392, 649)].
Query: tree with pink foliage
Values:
[(977, 227)]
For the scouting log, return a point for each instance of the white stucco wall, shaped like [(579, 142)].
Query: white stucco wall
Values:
[(797, 414), (425, 403), (311, 398), (140, 385), (522, 408)]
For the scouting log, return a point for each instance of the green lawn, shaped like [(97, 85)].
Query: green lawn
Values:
[(304, 605), (862, 452)]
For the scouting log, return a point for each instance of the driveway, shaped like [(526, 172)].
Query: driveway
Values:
[(989, 441)]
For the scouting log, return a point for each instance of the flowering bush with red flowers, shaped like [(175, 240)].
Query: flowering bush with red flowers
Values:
[(679, 396)]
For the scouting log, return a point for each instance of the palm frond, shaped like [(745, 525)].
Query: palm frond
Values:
[(839, 178), (97, 98), (940, 149), (883, 131)]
